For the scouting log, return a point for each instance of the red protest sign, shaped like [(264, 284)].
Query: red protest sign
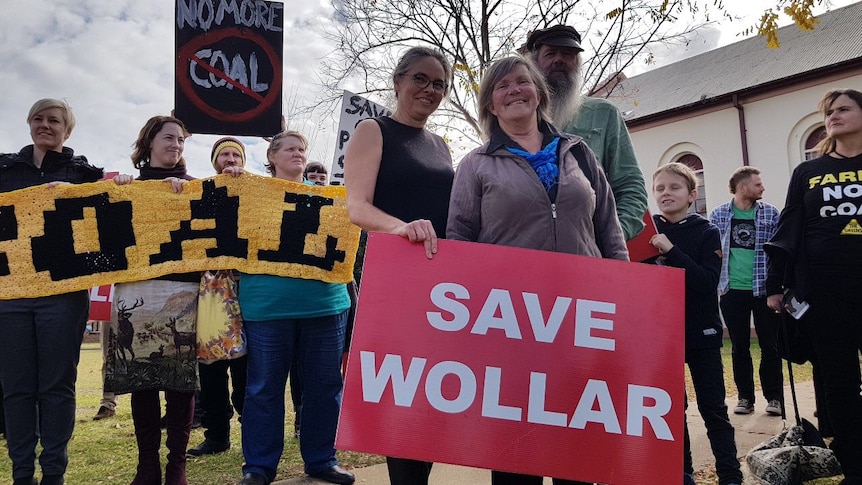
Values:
[(101, 299), (518, 360)]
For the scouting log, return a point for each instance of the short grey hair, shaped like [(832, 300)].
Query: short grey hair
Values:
[(48, 103)]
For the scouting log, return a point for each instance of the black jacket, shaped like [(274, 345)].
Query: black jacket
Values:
[(697, 250), (17, 170)]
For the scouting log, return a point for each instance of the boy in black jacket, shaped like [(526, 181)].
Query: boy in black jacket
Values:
[(691, 242)]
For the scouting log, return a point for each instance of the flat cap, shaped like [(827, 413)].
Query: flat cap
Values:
[(557, 35)]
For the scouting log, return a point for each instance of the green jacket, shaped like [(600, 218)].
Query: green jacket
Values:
[(602, 127)]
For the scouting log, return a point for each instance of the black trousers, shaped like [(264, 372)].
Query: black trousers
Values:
[(506, 478), (833, 323), (408, 472), (216, 398), (38, 373), (737, 308), (707, 376)]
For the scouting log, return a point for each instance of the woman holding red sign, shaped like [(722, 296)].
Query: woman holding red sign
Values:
[(531, 186), (399, 176)]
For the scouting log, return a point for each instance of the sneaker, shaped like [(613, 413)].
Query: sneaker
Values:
[(103, 413), (774, 408), (744, 406)]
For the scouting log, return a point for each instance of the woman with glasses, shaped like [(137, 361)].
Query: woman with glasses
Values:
[(399, 176)]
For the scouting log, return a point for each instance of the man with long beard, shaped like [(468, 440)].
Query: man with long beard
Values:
[(556, 51)]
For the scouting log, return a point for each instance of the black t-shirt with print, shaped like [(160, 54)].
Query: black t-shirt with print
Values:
[(831, 195)]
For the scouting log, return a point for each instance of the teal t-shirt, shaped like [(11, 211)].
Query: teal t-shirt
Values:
[(266, 297), (742, 236)]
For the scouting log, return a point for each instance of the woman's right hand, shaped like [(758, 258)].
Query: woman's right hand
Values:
[(420, 230), (176, 184), (123, 179), (774, 302)]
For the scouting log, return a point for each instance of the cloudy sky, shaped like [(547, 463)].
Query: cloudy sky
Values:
[(112, 60)]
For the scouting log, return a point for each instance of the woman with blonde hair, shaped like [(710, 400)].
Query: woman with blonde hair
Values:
[(286, 317), (38, 366)]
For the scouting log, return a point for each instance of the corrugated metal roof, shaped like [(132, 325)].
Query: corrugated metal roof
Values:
[(837, 38)]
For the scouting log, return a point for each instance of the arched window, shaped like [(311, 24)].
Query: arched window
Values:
[(811, 142), (693, 162)]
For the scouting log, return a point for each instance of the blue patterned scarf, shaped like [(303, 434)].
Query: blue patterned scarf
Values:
[(544, 162)]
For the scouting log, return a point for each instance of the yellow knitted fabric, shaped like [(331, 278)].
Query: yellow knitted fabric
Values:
[(143, 217)]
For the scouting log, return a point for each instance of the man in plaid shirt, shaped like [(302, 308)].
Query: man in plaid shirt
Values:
[(746, 223)]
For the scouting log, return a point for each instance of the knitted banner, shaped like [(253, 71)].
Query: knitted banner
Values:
[(74, 237)]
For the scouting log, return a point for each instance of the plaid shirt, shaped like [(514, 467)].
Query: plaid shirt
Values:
[(765, 224)]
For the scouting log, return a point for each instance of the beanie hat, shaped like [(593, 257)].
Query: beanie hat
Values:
[(225, 142)]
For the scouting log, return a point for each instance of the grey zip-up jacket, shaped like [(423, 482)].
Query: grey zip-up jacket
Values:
[(497, 198)]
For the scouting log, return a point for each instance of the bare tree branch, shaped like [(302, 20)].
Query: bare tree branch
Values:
[(371, 33)]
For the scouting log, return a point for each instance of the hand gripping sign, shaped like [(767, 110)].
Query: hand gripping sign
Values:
[(518, 360)]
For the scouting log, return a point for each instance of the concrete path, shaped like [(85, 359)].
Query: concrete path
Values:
[(751, 430)]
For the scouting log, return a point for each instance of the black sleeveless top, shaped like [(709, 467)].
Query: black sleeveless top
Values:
[(415, 176)]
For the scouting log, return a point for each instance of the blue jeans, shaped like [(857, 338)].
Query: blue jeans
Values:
[(38, 369), (707, 375), (319, 345)]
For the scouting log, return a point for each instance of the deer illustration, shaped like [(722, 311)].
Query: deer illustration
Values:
[(126, 332), (183, 338), (157, 356)]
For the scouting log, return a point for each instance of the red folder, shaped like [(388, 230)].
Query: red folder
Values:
[(639, 248)]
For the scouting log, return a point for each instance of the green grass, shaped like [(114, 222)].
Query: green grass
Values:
[(104, 452), (801, 373)]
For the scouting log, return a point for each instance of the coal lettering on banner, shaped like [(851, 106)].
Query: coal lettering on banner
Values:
[(54, 251), (217, 205), (8, 232), (295, 226)]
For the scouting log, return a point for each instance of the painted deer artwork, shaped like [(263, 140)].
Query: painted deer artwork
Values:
[(183, 338), (125, 330), (157, 356)]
